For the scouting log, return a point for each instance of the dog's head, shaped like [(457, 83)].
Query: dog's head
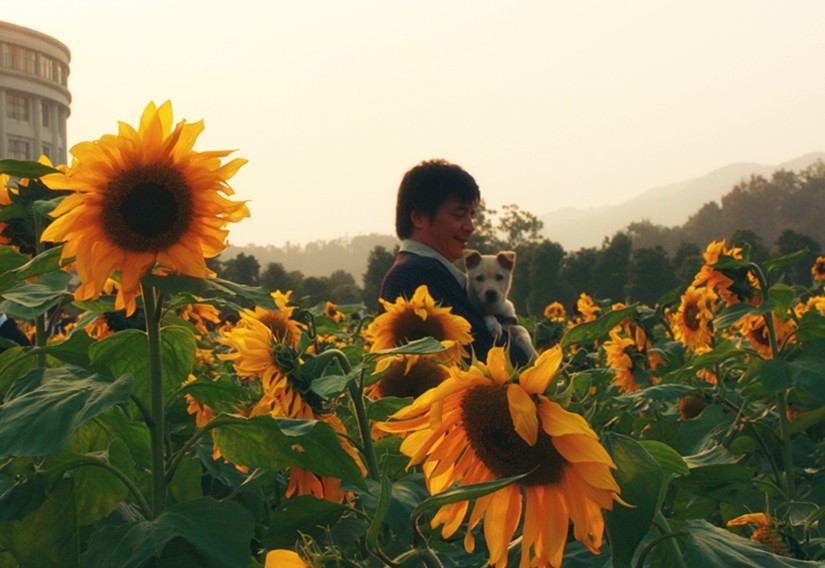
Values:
[(489, 275)]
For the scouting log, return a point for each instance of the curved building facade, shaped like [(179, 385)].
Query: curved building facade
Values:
[(34, 96)]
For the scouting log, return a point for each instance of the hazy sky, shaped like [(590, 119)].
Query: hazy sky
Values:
[(547, 104)]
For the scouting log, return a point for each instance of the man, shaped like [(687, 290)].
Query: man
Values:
[(434, 220)]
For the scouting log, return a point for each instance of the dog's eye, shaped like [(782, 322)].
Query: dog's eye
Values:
[(499, 277), (479, 278)]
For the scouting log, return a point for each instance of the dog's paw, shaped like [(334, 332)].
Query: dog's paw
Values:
[(493, 326)]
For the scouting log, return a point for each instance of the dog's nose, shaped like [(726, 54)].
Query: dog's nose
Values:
[(491, 296)]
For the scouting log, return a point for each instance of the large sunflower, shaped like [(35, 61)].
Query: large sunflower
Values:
[(143, 197), (407, 376), (755, 330), (408, 320), (692, 322), (487, 423), (734, 285)]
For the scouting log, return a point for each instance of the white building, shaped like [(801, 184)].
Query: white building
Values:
[(34, 98)]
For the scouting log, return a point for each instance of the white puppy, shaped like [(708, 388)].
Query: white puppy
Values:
[(489, 277)]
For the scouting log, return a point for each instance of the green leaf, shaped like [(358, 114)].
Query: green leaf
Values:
[(716, 455), (465, 493), (783, 295), (597, 329), (808, 419), (718, 482), (808, 367), (278, 443), (47, 406), (29, 300), (24, 168), (14, 363), (301, 515), (211, 288), (45, 262), (10, 259), (381, 509), (811, 326), (73, 350), (775, 375), (218, 531), (223, 395), (49, 536), (734, 313), (423, 346), (642, 482), (711, 547), (657, 392), (97, 490), (383, 408), (787, 260), (331, 386), (127, 351), (668, 459)]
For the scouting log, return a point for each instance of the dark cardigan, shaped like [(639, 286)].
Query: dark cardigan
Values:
[(411, 271)]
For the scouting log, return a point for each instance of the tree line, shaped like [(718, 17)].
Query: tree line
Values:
[(770, 217)]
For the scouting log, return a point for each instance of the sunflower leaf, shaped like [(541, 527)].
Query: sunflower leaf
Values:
[(211, 288), (213, 534), (43, 263), (465, 493), (787, 260), (734, 313), (597, 329), (643, 484), (44, 408), (303, 515), (24, 168), (381, 509), (278, 443), (423, 346)]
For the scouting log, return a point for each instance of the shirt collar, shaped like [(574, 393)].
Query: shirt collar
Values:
[(419, 248)]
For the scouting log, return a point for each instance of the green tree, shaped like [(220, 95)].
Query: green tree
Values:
[(343, 289), (578, 270), (650, 275), (519, 227), (275, 277), (243, 269), (610, 273), (544, 266), (790, 241), (379, 262), (484, 237), (687, 261)]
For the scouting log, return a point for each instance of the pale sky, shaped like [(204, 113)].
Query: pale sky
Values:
[(547, 104)]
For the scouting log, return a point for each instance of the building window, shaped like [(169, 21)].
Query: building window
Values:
[(19, 149), (21, 59), (47, 65), (61, 73), (17, 107), (47, 151), (46, 115)]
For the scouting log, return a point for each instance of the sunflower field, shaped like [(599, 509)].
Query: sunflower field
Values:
[(155, 415)]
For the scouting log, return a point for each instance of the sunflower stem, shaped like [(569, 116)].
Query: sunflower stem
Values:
[(40, 320), (357, 395), (781, 397), (675, 552), (158, 427)]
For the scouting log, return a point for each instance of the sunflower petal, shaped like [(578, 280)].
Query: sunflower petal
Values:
[(523, 412)]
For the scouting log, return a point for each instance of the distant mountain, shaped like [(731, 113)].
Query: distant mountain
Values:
[(667, 205)]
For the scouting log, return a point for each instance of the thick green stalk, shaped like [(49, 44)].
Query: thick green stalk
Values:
[(158, 426), (357, 396), (781, 397), (39, 321)]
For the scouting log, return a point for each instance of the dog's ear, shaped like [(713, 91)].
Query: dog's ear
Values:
[(471, 258), (507, 259)]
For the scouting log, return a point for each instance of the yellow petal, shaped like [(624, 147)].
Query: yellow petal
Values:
[(576, 448), (284, 559), (556, 421), (760, 519), (535, 379), (497, 364), (523, 412), (500, 522)]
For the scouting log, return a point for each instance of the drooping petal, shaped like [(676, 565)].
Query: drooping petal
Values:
[(523, 413)]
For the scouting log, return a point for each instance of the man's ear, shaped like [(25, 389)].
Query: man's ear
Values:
[(419, 219), (507, 259), (471, 258)]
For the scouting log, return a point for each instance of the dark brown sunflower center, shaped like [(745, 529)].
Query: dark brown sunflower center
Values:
[(409, 327), (494, 440), (147, 208), (422, 377), (691, 317), (278, 325)]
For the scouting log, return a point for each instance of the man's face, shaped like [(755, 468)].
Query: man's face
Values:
[(449, 229)]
